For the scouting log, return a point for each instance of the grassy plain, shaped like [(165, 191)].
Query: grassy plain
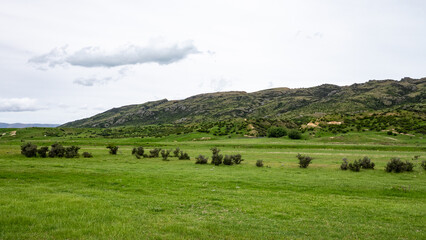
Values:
[(121, 197)]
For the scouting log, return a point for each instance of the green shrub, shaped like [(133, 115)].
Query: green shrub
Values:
[(42, 152), (259, 163), (227, 160), (71, 152), (176, 152), (304, 160), (398, 166), (154, 153), (366, 163), (113, 149), (56, 150), (165, 154), (237, 158), (344, 165), (355, 166), (390, 133), (423, 165), (29, 150), (201, 159), (294, 134), (138, 152), (216, 157), (276, 132), (183, 156), (87, 155)]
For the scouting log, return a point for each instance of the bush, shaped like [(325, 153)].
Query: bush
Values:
[(201, 159), (71, 152), (183, 156), (87, 155), (165, 154), (216, 157), (355, 166), (56, 150), (138, 152), (344, 165), (237, 158), (154, 153), (304, 160), (227, 160), (294, 134), (42, 152), (29, 150), (423, 165), (276, 132), (397, 166), (259, 163), (113, 149), (176, 152), (366, 163)]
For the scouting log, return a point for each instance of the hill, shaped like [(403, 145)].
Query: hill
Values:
[(271, 103)]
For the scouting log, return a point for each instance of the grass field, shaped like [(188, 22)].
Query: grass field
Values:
[(121, 197)]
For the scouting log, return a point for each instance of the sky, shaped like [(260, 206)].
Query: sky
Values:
[(65, 60)]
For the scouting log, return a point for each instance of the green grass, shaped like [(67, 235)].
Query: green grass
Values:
[(121, 197)]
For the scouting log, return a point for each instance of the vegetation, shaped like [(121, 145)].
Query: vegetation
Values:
[(165, 154), (304, 160), (29, 150), (216, 157), (201, 159), (276, 132), (71, 152), (259, 163), (113, 149), (294, 134), (138, 152), (87, 155), (42, 151), (398, 166), (57, 150)]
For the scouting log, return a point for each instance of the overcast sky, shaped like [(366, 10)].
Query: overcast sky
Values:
[(65, 60)]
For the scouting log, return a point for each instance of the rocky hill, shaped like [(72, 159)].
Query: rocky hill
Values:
[(270, 103)]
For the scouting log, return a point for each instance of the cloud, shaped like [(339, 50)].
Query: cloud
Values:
[(220, 84), (18, 105), (91, 81), (128, 55)]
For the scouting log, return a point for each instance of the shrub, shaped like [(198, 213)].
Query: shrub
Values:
[(216, 157), (423, 164), (390, 133), (71, 152), (176, 152), (237, 158), (304, 160), (355, 166), (397, 166), (113, 149), (227, 160), (366, 163), (201, 159), (259, 163), (29, 150), (138, 152), (344, 165), (42, 152), (87, 155), (56, 150), (154, 153), (165, 154), (294, 134), (276, 132), (183, 156)]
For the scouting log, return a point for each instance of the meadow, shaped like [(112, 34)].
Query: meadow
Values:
[(122, 197)]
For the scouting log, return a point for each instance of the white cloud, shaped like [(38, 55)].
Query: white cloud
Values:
[(128, 55), (220, 84), (18, 105), (91, 81)]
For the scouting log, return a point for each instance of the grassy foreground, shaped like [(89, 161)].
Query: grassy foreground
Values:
[(121, 197)]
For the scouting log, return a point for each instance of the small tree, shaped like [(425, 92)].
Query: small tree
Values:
[(259, 163), (71, 152), (355, 166), (113, 149), (216, 157), (138, 152), (29, 150), (201, 159), (366, 163), (276, 132), (237, 158), (344, 165), (56, 150), (398, 166), (154, 153), (304, 160), (423, 165), (294, 134), (227, 160), (183, 156), (176, 152), (165, 154), (42, 152)]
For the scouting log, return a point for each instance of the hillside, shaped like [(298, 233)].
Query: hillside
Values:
[(270, 103)]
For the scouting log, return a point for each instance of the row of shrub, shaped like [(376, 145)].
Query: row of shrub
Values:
[(218, 159), (165, 154), (394, 165), (56, 150)]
